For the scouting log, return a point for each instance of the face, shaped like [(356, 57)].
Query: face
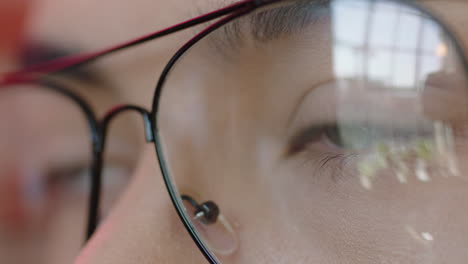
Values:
[(314, 151)]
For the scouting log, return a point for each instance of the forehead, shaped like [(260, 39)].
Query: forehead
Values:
[(96, 23), (87, 25), (93, 24)]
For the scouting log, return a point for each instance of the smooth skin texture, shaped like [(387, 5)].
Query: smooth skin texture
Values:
[(144, 228)]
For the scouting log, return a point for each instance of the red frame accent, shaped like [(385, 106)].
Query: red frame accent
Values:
[(33, 73)]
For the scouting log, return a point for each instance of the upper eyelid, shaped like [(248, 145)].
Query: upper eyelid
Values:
[(314, 105), (322, 104), (314, 129), (298, 141)]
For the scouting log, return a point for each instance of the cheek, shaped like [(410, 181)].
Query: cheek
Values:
[(144, 227), (412, 222)]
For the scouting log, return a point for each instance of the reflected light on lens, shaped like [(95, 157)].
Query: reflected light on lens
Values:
[(425, 238), (442, 50)]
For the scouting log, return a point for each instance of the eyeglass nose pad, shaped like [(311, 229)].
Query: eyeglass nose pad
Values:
[(219, 236), (215, 229)]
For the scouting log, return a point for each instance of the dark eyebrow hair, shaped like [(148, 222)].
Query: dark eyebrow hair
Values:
[(289, 19), (34, 52), (272, 23)]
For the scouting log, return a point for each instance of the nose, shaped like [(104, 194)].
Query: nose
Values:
[(133, 233)]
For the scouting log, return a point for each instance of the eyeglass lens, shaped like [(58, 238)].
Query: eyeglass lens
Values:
[(334, 132)]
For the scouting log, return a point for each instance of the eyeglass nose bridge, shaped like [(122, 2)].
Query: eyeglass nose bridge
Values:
[(114, 112), (100, 142)]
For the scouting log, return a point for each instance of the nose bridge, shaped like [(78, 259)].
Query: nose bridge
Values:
[(95, 195), (113, 113)]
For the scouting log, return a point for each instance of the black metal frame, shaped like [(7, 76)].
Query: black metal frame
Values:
[(98, 128)]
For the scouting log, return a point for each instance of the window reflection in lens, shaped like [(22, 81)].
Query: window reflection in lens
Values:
[(335, 136), (343, 137)]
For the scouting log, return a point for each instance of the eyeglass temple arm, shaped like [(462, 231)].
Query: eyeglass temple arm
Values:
[(34, 72)]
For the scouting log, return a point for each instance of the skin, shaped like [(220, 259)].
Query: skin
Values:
[(13, 14), (348, 224)]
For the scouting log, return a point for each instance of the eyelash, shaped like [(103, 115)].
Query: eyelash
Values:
[(319, 151), (321, 155), (328, 160)]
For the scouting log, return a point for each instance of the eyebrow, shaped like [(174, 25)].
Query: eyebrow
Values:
[(272, 23), (33, 53), (265, 17), (289, 19)]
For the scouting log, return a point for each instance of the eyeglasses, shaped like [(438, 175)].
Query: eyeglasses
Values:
[(334, 130)]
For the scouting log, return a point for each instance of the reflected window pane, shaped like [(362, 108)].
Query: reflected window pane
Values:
[(404, 71), (380, 66), (409, 30), (351, 15), (384, 23), (431, 38), (429, 65), (347, 62)]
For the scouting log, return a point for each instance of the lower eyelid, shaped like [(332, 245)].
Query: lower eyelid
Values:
[(325, 147)]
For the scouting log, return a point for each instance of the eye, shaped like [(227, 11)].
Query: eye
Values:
[(357, 137), (76, 178), (70, 179), (72, 185), (313, 135), (368, 136), (332, 136), (335, 136)]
